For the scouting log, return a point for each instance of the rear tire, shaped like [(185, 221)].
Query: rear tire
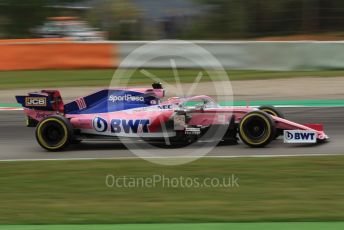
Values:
[(257, 129), (54, 133)]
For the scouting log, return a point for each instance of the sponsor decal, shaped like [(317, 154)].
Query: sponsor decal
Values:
[(193, 131), (126, 97), (129, 126), (121, 125), (99, 124), (165, 107), (81, 103), (40, 115), (35, 101), (300, 136)]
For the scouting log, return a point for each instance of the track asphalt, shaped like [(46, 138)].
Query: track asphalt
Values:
[(18, 142)]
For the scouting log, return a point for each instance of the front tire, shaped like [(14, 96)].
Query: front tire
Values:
[(257, 129), (54, 133), (272, 110)]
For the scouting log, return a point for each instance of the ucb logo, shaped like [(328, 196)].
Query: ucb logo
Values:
[(99, 124), (299, 136)]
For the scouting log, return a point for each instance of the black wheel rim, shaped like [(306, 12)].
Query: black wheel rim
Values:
[(52, 133), (255, 128)]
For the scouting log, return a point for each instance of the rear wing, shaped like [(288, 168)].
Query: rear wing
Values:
[(45, 100)]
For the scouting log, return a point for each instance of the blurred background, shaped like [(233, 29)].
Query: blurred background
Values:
[(255, 39), (178, 19)]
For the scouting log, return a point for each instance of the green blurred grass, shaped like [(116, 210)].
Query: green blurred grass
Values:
[(102, 77), (74, 192), (188, 226)]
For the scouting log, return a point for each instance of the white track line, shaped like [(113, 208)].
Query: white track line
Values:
[(170, 157)]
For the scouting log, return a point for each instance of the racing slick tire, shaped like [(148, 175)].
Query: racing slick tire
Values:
[(54, 133), (272, 110), (257, 129)]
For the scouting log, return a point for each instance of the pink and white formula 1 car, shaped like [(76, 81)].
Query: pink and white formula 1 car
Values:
[(143, 113)]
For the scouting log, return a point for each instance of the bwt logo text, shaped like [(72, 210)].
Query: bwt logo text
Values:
[(299, 136), (121, 125)]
